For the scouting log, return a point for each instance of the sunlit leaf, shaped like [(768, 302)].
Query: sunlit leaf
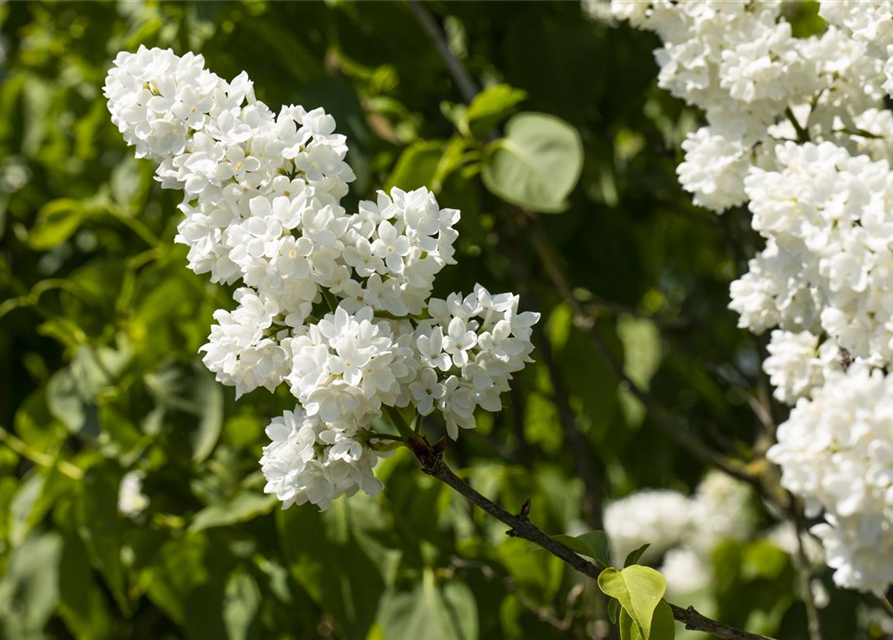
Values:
[(536, 164), (29, 589), (246, 505), (491, 106), (638, 589)]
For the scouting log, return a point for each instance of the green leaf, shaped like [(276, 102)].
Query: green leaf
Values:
[(638, 589), (130, 183), (455, 113), (72, 391), (177, 569), (663, 626), (56, 222), (243, 507), (536, 164), (416, 166), (490, 107), (23, 506), (453, 157), (68, 403), (629, 630), (29, 589), (315, 544), (240, 605), (100, 526), (613, 609), (641, 342), (762, 559), (192, 401), (35, 422), (593, 544), (82, 602), (635, 554), (536, 573), (35, 497), (430, 610), (641, 347), (209, 406), (598, 541), (8, 486)]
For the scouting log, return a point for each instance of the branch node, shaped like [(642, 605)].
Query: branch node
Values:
[(431, 458)]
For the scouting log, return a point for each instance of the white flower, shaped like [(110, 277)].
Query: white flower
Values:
[(797, 364), (720, 512), (131, 499), (430, 348), (714, 170), (836, 451), (306, 462), (459, 340), (262, 206), (391, 247), (799, 130), (660, 518), (685, 571), (426, 390)]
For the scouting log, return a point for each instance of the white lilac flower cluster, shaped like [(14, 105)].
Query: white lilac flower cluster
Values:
[(837, 453), (797, 130), (335, 304), (682, 530)]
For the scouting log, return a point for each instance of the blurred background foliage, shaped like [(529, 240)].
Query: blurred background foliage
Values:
[(100, 323)]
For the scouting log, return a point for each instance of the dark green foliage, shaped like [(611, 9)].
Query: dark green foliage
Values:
[(100, 323)]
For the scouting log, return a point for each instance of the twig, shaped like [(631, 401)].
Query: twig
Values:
[(592, 500), (39, 458), (586, 469), (582, 318), (585, 322), (520, 526), (802, 134), (467, 86), (814, 623)]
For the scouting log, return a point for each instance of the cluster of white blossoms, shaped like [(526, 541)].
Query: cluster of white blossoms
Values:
[(836, 451), (335, 304), (798, 131), (682, 530)]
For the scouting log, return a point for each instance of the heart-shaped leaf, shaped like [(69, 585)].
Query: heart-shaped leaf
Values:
[(638, 589), (536, 164)]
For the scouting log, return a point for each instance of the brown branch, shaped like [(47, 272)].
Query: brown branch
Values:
[(520, 526), (431, 458)]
